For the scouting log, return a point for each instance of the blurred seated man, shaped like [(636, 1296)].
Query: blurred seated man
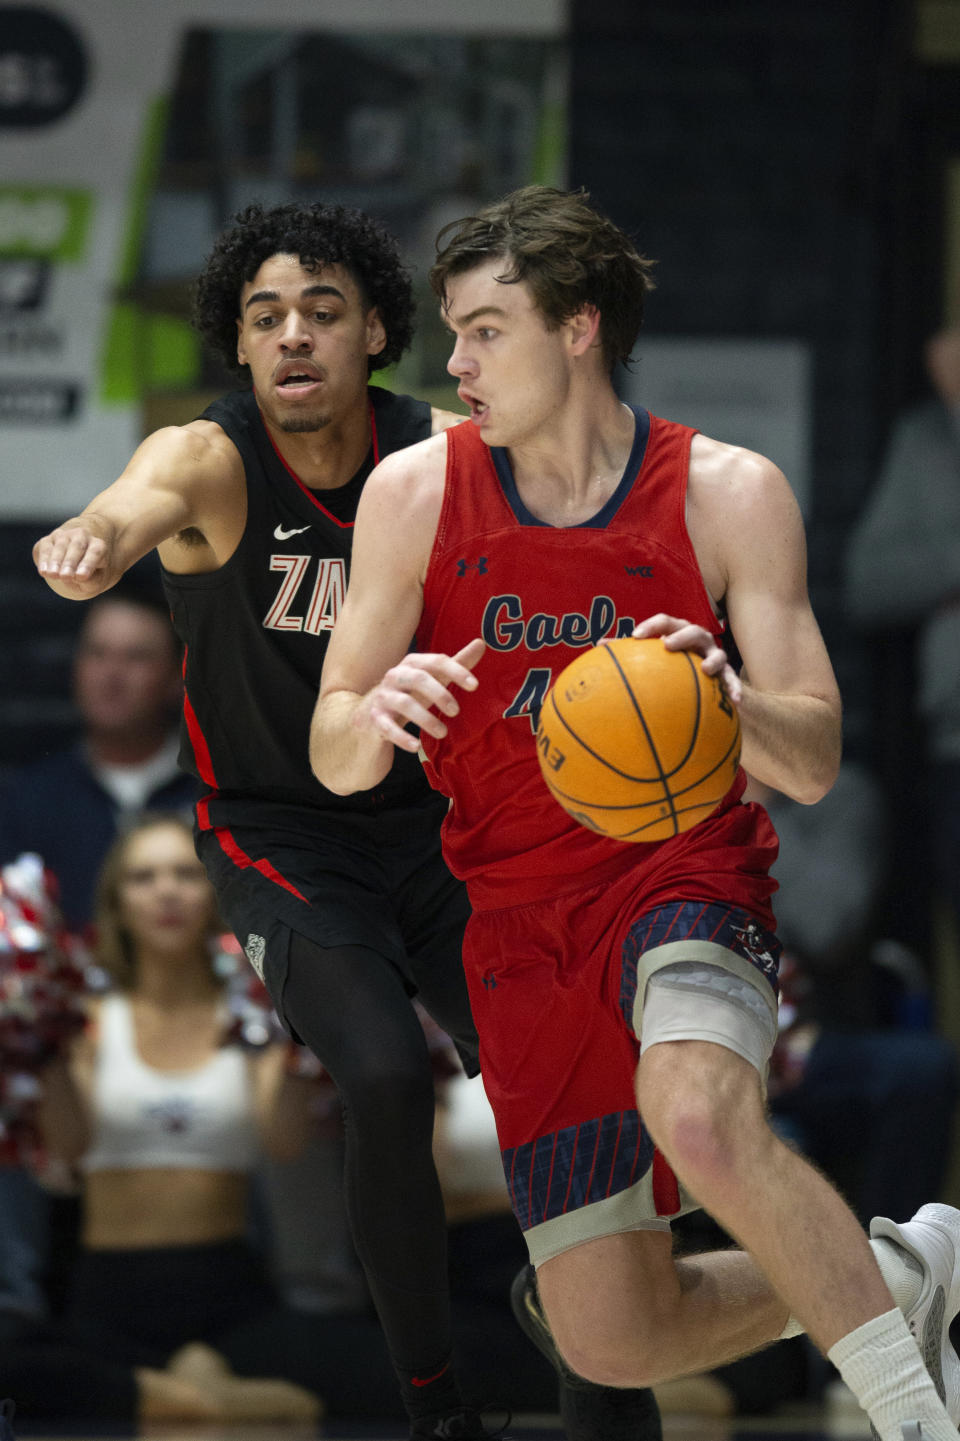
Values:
[(69, 806)]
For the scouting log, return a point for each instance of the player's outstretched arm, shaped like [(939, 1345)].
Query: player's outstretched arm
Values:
[(167, 487), (749, 537), (373, 686)]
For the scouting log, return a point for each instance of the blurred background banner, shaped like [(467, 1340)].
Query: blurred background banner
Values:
[(96, 255), (751, 392), (80, 112)]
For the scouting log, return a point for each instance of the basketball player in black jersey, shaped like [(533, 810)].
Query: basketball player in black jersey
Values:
[(343, 904)]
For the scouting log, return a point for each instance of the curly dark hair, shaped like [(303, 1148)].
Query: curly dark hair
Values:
[(320, 235), (567, 252)]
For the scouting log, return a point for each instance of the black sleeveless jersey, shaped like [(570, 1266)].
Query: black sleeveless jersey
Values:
[(255, 631)]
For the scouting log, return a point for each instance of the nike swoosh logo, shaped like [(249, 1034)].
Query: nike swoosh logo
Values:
[(426, 1380), (281, 534)]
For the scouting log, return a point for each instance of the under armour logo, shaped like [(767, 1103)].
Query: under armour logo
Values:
[(479, 566), (490, 981)]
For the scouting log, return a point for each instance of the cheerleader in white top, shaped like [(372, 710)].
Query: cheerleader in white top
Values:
[(164, 1114)]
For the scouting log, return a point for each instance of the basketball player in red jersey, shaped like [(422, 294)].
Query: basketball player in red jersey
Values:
[(625, 995)]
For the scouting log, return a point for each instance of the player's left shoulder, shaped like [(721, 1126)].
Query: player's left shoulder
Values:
[(732, 478)]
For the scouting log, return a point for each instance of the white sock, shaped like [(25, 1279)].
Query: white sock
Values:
[(882, 1365), (901, 1271)]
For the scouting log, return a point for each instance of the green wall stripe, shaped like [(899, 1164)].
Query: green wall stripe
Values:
[(124, 372)]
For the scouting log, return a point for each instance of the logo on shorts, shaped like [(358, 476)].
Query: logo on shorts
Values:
[(754, 947), (256, 950)]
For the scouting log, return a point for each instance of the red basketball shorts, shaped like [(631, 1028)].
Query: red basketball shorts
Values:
[(552, 987)]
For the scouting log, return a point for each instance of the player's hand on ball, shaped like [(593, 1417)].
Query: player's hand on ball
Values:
[(637, 741), (682, 635), (417, 691)]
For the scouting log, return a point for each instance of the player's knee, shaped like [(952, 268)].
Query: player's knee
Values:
[(626, 1360), (693, 1138), (390, 1095), (704, 1130), (602, 1368)]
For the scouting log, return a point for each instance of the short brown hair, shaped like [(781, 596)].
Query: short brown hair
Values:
[(567, 252)]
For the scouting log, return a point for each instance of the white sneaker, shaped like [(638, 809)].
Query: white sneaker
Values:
[(932, 1237)]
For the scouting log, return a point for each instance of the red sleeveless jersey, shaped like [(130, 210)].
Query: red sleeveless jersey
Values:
[(539, 594)]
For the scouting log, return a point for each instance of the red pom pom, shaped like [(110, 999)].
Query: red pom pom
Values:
[(42, 980)]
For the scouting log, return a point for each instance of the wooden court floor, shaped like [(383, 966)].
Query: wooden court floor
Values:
[(799, 1422)]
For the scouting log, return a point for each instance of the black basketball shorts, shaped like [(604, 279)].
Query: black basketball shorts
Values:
[(377, 881)]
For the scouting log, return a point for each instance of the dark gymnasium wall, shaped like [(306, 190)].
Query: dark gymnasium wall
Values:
[(766, 154)]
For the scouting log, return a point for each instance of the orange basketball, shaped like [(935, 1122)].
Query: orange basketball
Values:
[(635, 741)]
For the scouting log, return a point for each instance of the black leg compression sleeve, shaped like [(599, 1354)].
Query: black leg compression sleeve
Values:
[(350, 1007)]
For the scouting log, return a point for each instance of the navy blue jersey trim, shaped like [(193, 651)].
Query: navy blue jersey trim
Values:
[(728, 926), (576, 1165), (603, 517)]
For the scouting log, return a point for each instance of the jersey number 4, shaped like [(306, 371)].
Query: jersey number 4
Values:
[(531, 695), (325, 601)]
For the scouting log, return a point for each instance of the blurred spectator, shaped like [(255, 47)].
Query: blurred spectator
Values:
[(486, 1250), (69, 806), (859, 1077), (163, 1109), (23, 1249), (41, 984), (903, 573)]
